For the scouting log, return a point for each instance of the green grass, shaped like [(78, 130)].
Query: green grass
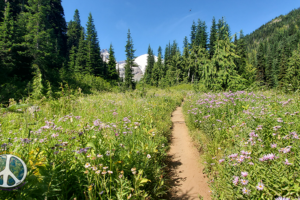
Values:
[(248, 132), (101, 146)]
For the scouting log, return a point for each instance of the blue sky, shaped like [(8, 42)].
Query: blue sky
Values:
[(156, 22)]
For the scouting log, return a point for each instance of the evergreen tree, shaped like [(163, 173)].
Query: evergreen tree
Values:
[(112, 71), (292, 77), (72, 60), (261, 76), (149, 66), (81, 55), (193, 34), (74, 31), (185, 42), (226, 76), (94, 60), (7, 37), (167, 59), (39, 38), (129, 83), (242, 53), (159, 51), (213, 37), (58, 23)]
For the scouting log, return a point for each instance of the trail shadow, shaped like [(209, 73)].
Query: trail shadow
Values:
[(175, 180)]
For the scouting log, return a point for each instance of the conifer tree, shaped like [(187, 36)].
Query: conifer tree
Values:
[(129, 83), (193, 34), (149, 66), (58, 23), (72, 61), (7, 39), (157, 69), (242, 53), (111, 66), (74, 31), (39, 38), (185, 42), (292, 77), (261, 76), (167, 59), (81, 55), (213, 37), (226, 76), (94, 60)]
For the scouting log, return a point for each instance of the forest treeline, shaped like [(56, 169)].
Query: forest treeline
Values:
[(269, 57), (41, 53)]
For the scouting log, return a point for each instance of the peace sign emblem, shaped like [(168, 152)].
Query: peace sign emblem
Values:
[(13, 171)]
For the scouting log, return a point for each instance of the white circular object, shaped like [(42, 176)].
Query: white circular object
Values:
[(7, 172)]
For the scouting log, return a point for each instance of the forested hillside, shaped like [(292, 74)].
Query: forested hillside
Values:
[(273, 50)]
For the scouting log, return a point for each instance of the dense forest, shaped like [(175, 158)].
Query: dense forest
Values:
[(41, 54)]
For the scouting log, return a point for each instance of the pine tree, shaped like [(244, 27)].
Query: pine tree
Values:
[(74, 31), (185, 42), (242, 53), (58, 23), (292, 77), (6, 44), (261, 76), (167, 59), (149, 66), (72, 60), (193, 34), (212, 38), (94, 60), (81, 55), (39, 38), (129, 83), (226, 76), (157, 69), (111, 66)]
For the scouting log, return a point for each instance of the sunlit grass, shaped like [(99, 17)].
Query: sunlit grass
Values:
[(250, 142), (102, 146)]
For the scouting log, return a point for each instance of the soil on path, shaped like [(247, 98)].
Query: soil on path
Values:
[(186, 172)]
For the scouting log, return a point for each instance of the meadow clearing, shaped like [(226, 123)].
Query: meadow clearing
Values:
[(114, 145), (101, 146), (250, 142)]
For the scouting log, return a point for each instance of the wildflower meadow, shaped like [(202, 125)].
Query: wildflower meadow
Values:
[(101, 146), (250, 142)]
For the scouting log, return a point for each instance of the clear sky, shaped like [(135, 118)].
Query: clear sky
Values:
[(156, 22)]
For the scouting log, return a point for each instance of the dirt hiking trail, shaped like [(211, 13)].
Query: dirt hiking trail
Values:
[(187, 178)]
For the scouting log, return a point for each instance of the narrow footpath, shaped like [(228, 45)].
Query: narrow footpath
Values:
[(187, 179)]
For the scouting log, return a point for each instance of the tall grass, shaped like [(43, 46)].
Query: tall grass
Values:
[(250, 142), (101, 146)]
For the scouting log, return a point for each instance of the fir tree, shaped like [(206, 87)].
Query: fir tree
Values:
[(58, 23), (39, 38), (94, 60), (242, 53), (74, 31), (111, 66), (213, 37), (72, 60), (193, 34), (292, 77), (81, 55), (261, 76), (129, 83), (185, 42), (226, 76), (149, 66)]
